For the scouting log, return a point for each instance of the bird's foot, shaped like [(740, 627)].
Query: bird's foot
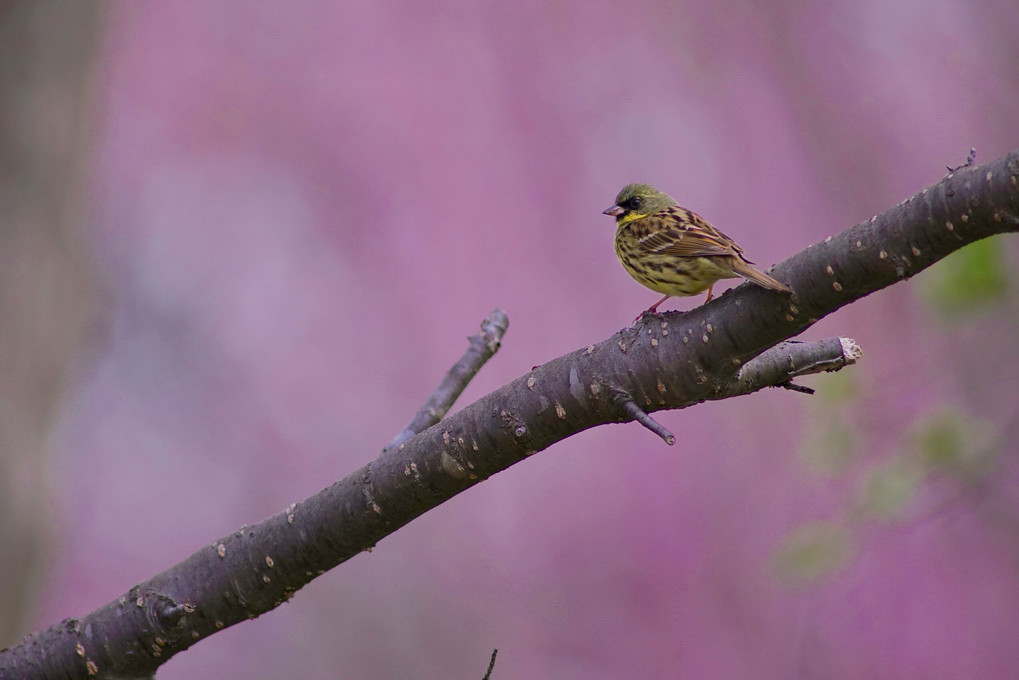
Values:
[(652, 313)]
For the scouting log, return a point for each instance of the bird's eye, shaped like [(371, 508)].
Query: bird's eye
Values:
[(631, 203)]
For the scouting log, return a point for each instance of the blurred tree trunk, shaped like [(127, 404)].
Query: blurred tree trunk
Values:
[(47, 51)]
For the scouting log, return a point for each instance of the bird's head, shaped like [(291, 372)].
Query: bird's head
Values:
[(638, 200)]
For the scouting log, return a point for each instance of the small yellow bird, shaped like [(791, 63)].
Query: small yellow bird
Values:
[(674, 251)]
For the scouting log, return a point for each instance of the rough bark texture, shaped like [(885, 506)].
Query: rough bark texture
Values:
[(663, 362)]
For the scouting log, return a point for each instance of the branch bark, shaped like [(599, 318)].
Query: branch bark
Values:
[(672, 361)]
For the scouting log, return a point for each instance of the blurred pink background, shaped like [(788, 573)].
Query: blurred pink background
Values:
[(298, 212)]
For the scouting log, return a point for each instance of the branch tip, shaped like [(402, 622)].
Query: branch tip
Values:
[(850, 350), (623, 399), (793, 387), (971, 158), (491, 663), (493, 328)]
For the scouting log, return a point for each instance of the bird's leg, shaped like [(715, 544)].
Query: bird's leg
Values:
[(708, 298), (653, 309)]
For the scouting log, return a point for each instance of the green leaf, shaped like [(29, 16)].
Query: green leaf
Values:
[(888, 487), (971, 279), (954, 442), (813, 551), (829, 447), (837, 388), (830, 442)]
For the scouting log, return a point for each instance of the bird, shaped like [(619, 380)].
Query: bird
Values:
[(674, 251)]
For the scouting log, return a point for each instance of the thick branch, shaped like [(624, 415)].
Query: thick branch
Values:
[(671, 361)]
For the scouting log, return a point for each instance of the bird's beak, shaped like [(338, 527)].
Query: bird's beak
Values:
[(615, 211)]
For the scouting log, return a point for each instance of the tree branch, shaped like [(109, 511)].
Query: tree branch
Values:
[(670, 361), (483, 347), (778, 366)]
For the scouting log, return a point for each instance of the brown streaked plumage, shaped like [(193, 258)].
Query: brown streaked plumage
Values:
[(674, 251)]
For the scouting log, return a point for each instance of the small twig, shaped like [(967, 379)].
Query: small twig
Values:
[(623, 399), (172, 613), (970, 160), (482, 347), (793, 387), (491, 665)]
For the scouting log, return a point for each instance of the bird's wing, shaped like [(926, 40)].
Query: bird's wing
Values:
[(677, 231)]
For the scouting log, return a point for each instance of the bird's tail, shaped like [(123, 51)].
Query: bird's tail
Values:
[(748, 271)]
